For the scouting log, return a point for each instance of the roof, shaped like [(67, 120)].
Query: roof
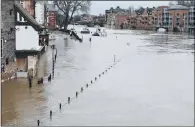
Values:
[(51, 7), (27, 16), (177, 7)]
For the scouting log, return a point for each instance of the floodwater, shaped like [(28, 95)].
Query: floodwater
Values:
[(151, 85)]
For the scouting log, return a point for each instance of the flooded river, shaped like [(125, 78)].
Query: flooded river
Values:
[(152, 84)]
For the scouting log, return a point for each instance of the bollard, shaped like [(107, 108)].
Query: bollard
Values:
[(60, 106), (38, 122), (91, 81), (30, 82), (103, 72), (81, 89), (49, 77), (50, 113), (95, 78), (106, 70), (76, 94), (114, 58), (99, 75), (68, 99), (87, 85)]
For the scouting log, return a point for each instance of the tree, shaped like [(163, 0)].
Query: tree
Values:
[(70, 7), (77, 18), (185, 2), (140, 11)]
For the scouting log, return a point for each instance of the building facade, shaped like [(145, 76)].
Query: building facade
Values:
[(8, 43), (120, 21), (191, 19), (40, 12), (165, 18), (51, 16), (29, 5), (177, 15)]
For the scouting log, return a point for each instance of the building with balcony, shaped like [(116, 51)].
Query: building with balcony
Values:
[(191, 19), (162, 16), (165, 18)]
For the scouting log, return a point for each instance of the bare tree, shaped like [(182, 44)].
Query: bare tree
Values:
[(186, 2), (70, 7)]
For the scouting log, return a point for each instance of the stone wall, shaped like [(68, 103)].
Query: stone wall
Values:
[(8, 22)]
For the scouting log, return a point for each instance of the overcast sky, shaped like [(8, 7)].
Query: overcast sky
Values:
[(98, 7)]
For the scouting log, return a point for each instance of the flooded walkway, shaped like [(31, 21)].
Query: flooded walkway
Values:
[(153, 84)]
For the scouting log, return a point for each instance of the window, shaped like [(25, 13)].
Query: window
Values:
[(1, 48), (52, 13), (52, 19)]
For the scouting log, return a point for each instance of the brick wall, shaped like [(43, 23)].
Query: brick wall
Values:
[(52, 20), (7, 22), (175, 14), (120, 19)]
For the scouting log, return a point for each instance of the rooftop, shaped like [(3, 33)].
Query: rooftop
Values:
[(177, 7), (51, 7)]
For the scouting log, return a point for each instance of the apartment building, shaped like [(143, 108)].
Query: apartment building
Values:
[(165, 18), (162, 15), (191, 19), (177, 15)]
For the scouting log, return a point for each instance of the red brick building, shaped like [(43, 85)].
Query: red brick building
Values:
[(176, 16), (120, 19), (29, 5), (51, 16)]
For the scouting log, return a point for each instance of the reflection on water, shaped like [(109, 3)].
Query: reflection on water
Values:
[(78, 63)]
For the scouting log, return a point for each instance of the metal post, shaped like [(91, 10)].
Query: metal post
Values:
[(114, 59)]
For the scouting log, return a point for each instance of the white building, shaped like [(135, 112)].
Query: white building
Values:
[(27, 35), (40, 12), (30, 47)]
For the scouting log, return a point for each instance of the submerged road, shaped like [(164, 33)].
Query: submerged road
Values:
[(153, 84)]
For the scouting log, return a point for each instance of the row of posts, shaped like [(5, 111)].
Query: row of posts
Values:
[(69, 99)]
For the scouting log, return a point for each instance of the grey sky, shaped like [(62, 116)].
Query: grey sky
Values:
[(98, 7)]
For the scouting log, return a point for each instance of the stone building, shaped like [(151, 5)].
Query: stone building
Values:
[(8, 44)]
